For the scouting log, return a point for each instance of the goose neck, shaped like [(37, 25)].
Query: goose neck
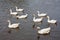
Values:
[(16, 8), (10, 11), (38, 12), (48, 18), (9, 23), (38, 28), (34, 17)]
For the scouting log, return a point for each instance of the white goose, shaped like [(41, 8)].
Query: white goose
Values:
[(15, 25), (42, 14), (13, 13), (51, 21), (22, 16), (44, 31), (37, 19), (19, 9)]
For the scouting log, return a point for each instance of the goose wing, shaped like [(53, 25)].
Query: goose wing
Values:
[(46, 30), (15, 25)]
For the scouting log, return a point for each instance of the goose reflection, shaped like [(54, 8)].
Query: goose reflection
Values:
[(11, 29), (49, 24), (33, 25), (38, 36)]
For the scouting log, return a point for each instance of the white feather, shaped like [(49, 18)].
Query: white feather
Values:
[(22, 16), (51, 21), (20, 9), (42, 14), (13, 13), (15, 25), (44, 31), (37, 19)]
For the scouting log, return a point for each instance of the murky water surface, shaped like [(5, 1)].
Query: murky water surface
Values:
[(26, 31)]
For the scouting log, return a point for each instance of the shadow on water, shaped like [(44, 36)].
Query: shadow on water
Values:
[(16, 29), (35, 24), (11, 29), (39, 36), (49, 24)]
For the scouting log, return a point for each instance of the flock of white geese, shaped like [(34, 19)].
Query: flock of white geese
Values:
[(41, 15)]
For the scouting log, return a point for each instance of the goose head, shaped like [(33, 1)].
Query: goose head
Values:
[(48, 17), (34, 15), (38, 12), (10, 10), (38, 28), (8, 20)]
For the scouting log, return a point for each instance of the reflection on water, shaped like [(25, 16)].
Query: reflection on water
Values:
[(10, 30), (52, 7), (34, 24), (49, 24), (38, 37)]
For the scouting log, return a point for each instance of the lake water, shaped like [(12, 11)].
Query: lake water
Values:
[(26, 31)]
